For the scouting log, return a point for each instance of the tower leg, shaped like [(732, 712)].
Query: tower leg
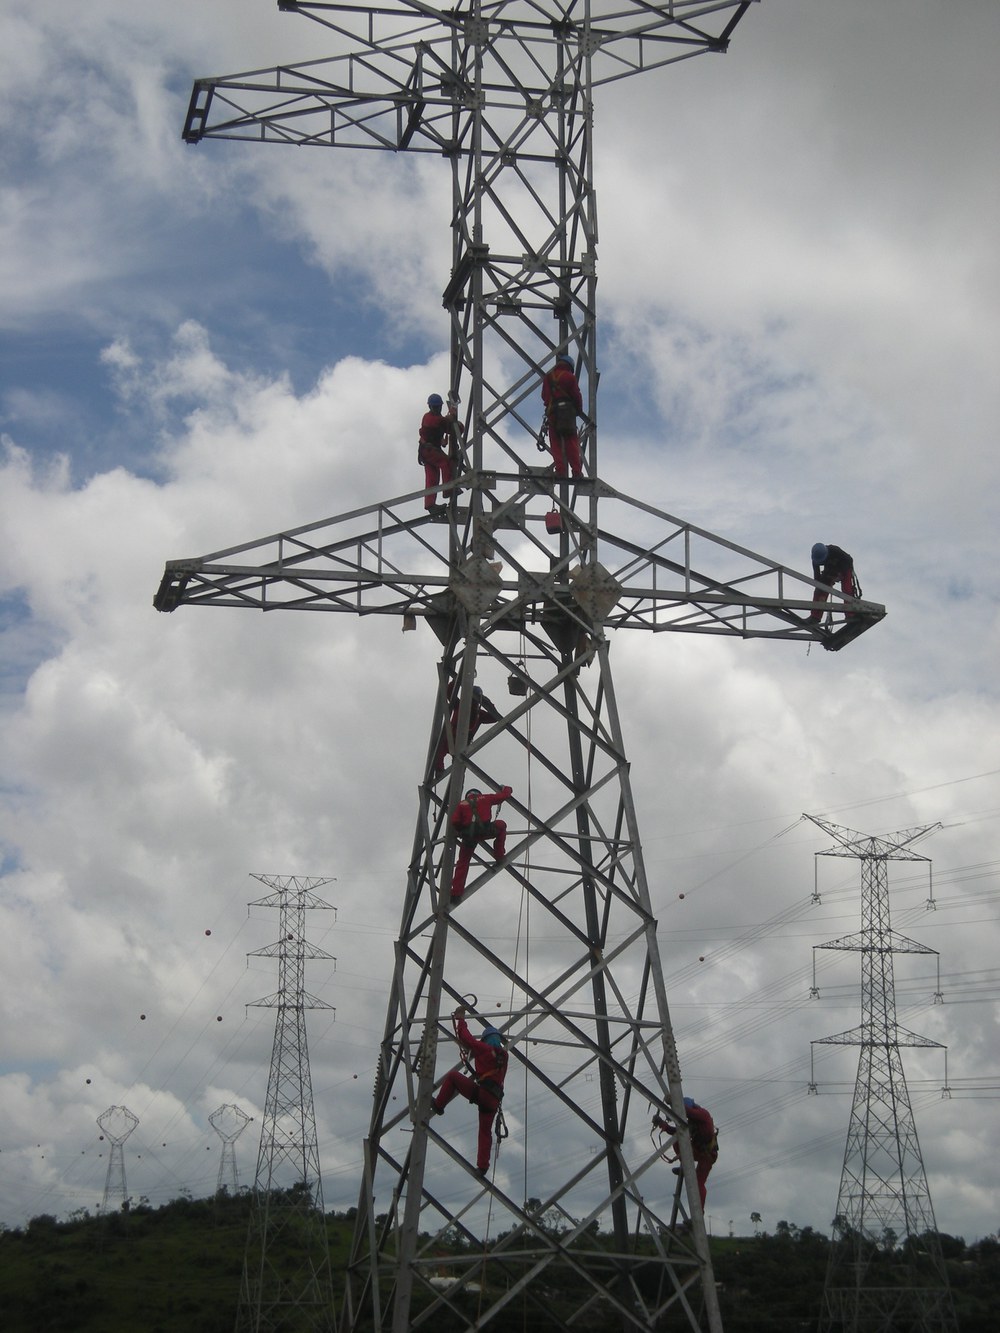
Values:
[(582, 1004)]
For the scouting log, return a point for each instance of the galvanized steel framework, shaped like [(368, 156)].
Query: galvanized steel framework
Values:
[(886, 1271), (278, 1292), (117, 1122), (229, 1122), (504, 93)]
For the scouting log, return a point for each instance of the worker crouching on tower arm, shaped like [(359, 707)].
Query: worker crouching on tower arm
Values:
[(473, 825), (484, 1088), (435, 448), (563, 404), (832, 565), (704, 1142)]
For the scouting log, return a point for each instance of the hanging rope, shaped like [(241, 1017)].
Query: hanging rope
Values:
[(500, 1128)]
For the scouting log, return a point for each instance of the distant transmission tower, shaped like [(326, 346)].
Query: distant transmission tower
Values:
[(229, 1122), (117, 1122), (286, 1269), (886, 1272)]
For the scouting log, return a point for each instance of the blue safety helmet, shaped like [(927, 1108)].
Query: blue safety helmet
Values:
[(565, 359), (472, 793), (689, 1102), (436, 402), (477, 692), (491, 1035), (819, 553)]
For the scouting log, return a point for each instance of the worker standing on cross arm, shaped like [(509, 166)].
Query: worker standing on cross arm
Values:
[(832, 565)]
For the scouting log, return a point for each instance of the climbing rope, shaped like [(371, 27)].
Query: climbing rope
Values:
[(500, 1128)]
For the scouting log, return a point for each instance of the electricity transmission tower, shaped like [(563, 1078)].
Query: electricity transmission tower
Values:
[(286, 1270), (886, 1272), (117, 1122), (520, 582), (229, 1122)]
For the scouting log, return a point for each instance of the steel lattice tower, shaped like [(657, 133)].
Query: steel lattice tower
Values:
[(503, 92), (117, 1122), (229, 1122), (886, 1272), (286, 1272)]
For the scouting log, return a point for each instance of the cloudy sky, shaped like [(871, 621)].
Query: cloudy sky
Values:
[(201, 345)]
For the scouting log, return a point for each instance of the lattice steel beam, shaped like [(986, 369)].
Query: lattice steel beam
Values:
[(884, 1218), (504, 94)]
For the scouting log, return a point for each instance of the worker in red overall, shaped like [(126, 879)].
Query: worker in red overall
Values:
[(704, 1142), (831, 565), (481, 710), (484, 1088), (434, 448), (563, 404), (473, 825)]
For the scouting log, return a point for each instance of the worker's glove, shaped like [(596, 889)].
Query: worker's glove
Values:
[(505, 792), (459, 1012)]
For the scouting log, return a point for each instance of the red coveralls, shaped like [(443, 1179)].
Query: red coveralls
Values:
[(484, 1091), (839, 568), (481, 710), (560, 382), (704, 1145), (474, 827), (435, 437)]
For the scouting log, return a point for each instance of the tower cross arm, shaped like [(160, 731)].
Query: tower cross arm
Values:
[(402, 73), (646, 570), (889, 846), (280, 1000), (889, 941), (867, 1034)]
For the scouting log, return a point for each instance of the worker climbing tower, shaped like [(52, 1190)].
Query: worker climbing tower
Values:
[(886, 1272), (286, 1267), (520, 576)]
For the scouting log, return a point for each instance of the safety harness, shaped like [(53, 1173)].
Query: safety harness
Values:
[(491, 1085), (432, 440), (480, 829), (562, 409)]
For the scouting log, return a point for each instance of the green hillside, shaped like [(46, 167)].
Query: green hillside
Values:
[(177, 1269)]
